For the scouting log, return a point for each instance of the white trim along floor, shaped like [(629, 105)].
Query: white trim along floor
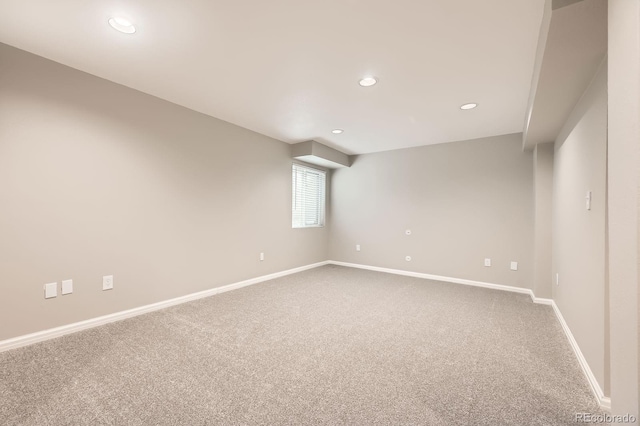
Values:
[(20, 341)]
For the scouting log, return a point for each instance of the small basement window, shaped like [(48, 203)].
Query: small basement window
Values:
[(308, 190)]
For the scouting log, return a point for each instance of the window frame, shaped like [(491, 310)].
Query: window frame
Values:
[(321, 204)]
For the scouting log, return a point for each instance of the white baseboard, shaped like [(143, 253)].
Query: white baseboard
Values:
[(52, 333), (435, 277), (540, 300), (16, 342), (605, 402)]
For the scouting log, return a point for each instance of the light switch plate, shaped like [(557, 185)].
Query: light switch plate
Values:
[(514, 266), (67, 286), (487, 262), (50, 290)]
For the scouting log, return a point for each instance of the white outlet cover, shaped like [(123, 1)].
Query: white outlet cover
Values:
[(557, 278), (67, 286), (357, 247), (107, 282), (514, 266), (261, 257), (50, 290), (487, 262), (408, 258)]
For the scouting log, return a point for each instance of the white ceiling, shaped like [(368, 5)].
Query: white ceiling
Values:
[(290, 68)]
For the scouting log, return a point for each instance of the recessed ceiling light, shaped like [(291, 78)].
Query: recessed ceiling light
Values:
[(123, 25), (337, 131), (368, 81), (469, 106)]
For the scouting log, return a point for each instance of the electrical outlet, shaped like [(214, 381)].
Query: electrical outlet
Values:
[(107, 282), (67, 287), (261, 257), (357, 247), (487, 262), (514, 266), (557, 278), (50, 290)]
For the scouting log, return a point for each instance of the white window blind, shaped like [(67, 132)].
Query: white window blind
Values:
[(308, 196)]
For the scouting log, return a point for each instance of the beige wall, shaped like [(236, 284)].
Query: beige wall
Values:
[(463, 201), (99, 179), (543, 190), (623, 208), (579, 234)]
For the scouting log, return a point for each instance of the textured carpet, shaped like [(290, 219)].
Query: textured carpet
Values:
[(331, 345)]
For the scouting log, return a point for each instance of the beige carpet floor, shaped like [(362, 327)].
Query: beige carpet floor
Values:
[(332, 345)]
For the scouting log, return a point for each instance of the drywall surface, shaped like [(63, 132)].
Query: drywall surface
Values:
[(462, 201), (98, 179), (623, 206), (543, 184), (579, 234)]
